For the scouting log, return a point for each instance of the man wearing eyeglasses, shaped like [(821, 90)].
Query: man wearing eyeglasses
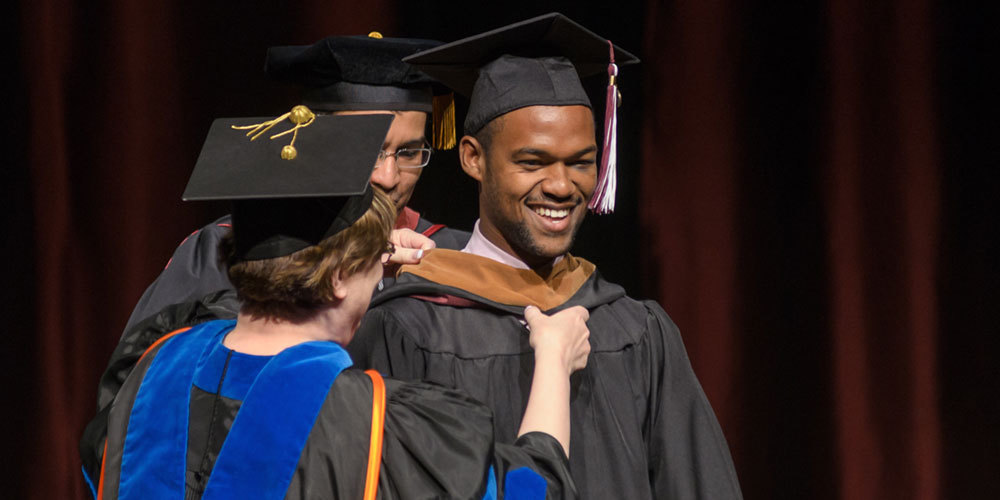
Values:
[(339, 75), (404, 155), (365, 74)]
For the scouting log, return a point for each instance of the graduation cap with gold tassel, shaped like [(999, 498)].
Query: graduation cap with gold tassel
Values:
[(444, 121), (366, 73), (282, 206), (300, 116)]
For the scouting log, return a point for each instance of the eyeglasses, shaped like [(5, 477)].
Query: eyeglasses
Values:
[(406, 157), (387, 253)]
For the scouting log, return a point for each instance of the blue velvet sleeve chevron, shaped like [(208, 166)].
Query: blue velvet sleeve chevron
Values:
[(519, 484)]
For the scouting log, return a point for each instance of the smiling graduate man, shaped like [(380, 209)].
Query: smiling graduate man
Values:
[(641, 424)]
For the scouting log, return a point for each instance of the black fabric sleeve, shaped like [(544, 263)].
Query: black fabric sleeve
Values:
[(193, 271), (439, 442), (543, 454), (688, 454)]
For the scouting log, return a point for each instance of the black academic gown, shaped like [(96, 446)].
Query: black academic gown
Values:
[(437, 443), (194, 270), (641, 424)]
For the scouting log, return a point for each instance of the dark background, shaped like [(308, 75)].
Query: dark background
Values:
[(809, 188)]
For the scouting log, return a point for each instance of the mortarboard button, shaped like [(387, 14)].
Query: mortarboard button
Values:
[(284, 205)]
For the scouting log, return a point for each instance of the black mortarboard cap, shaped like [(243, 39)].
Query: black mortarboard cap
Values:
[(365, 73), (355, 73), (539, 61), (283, 205)]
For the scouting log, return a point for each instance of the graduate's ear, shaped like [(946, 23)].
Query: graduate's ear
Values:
[(339, 279), (472, 156)]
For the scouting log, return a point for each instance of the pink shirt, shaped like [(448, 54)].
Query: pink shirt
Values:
[(479, 245)]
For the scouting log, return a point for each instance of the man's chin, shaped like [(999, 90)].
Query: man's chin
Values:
[(546, 251), (554, 244), (533, 245)]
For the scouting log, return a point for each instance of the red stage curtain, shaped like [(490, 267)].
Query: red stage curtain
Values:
[(793, 202)]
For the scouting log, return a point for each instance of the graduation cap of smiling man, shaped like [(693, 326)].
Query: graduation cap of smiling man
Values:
[(537, 62)]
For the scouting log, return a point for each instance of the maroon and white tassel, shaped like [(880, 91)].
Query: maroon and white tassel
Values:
[(603, 201)]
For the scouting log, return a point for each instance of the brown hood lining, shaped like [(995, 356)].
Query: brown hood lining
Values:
[(501, 283)]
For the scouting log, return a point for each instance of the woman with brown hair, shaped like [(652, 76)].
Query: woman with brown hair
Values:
[(267, 406)]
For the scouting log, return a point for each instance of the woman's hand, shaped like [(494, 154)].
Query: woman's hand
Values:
[(561, 338), (410, 246), (562, 344)]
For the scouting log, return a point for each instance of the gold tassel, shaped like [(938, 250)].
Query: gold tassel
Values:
[(300, 115), (443, 119)]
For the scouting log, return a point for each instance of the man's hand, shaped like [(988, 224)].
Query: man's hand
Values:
[(410, 246), (560, 338)]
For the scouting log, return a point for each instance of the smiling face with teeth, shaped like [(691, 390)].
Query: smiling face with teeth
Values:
[(537, 172)]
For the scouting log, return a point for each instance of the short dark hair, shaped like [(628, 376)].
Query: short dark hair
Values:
[(489, 131)]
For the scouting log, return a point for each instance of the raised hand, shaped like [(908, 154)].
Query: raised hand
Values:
[(562, 344), (410, 246), (562, 337)]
